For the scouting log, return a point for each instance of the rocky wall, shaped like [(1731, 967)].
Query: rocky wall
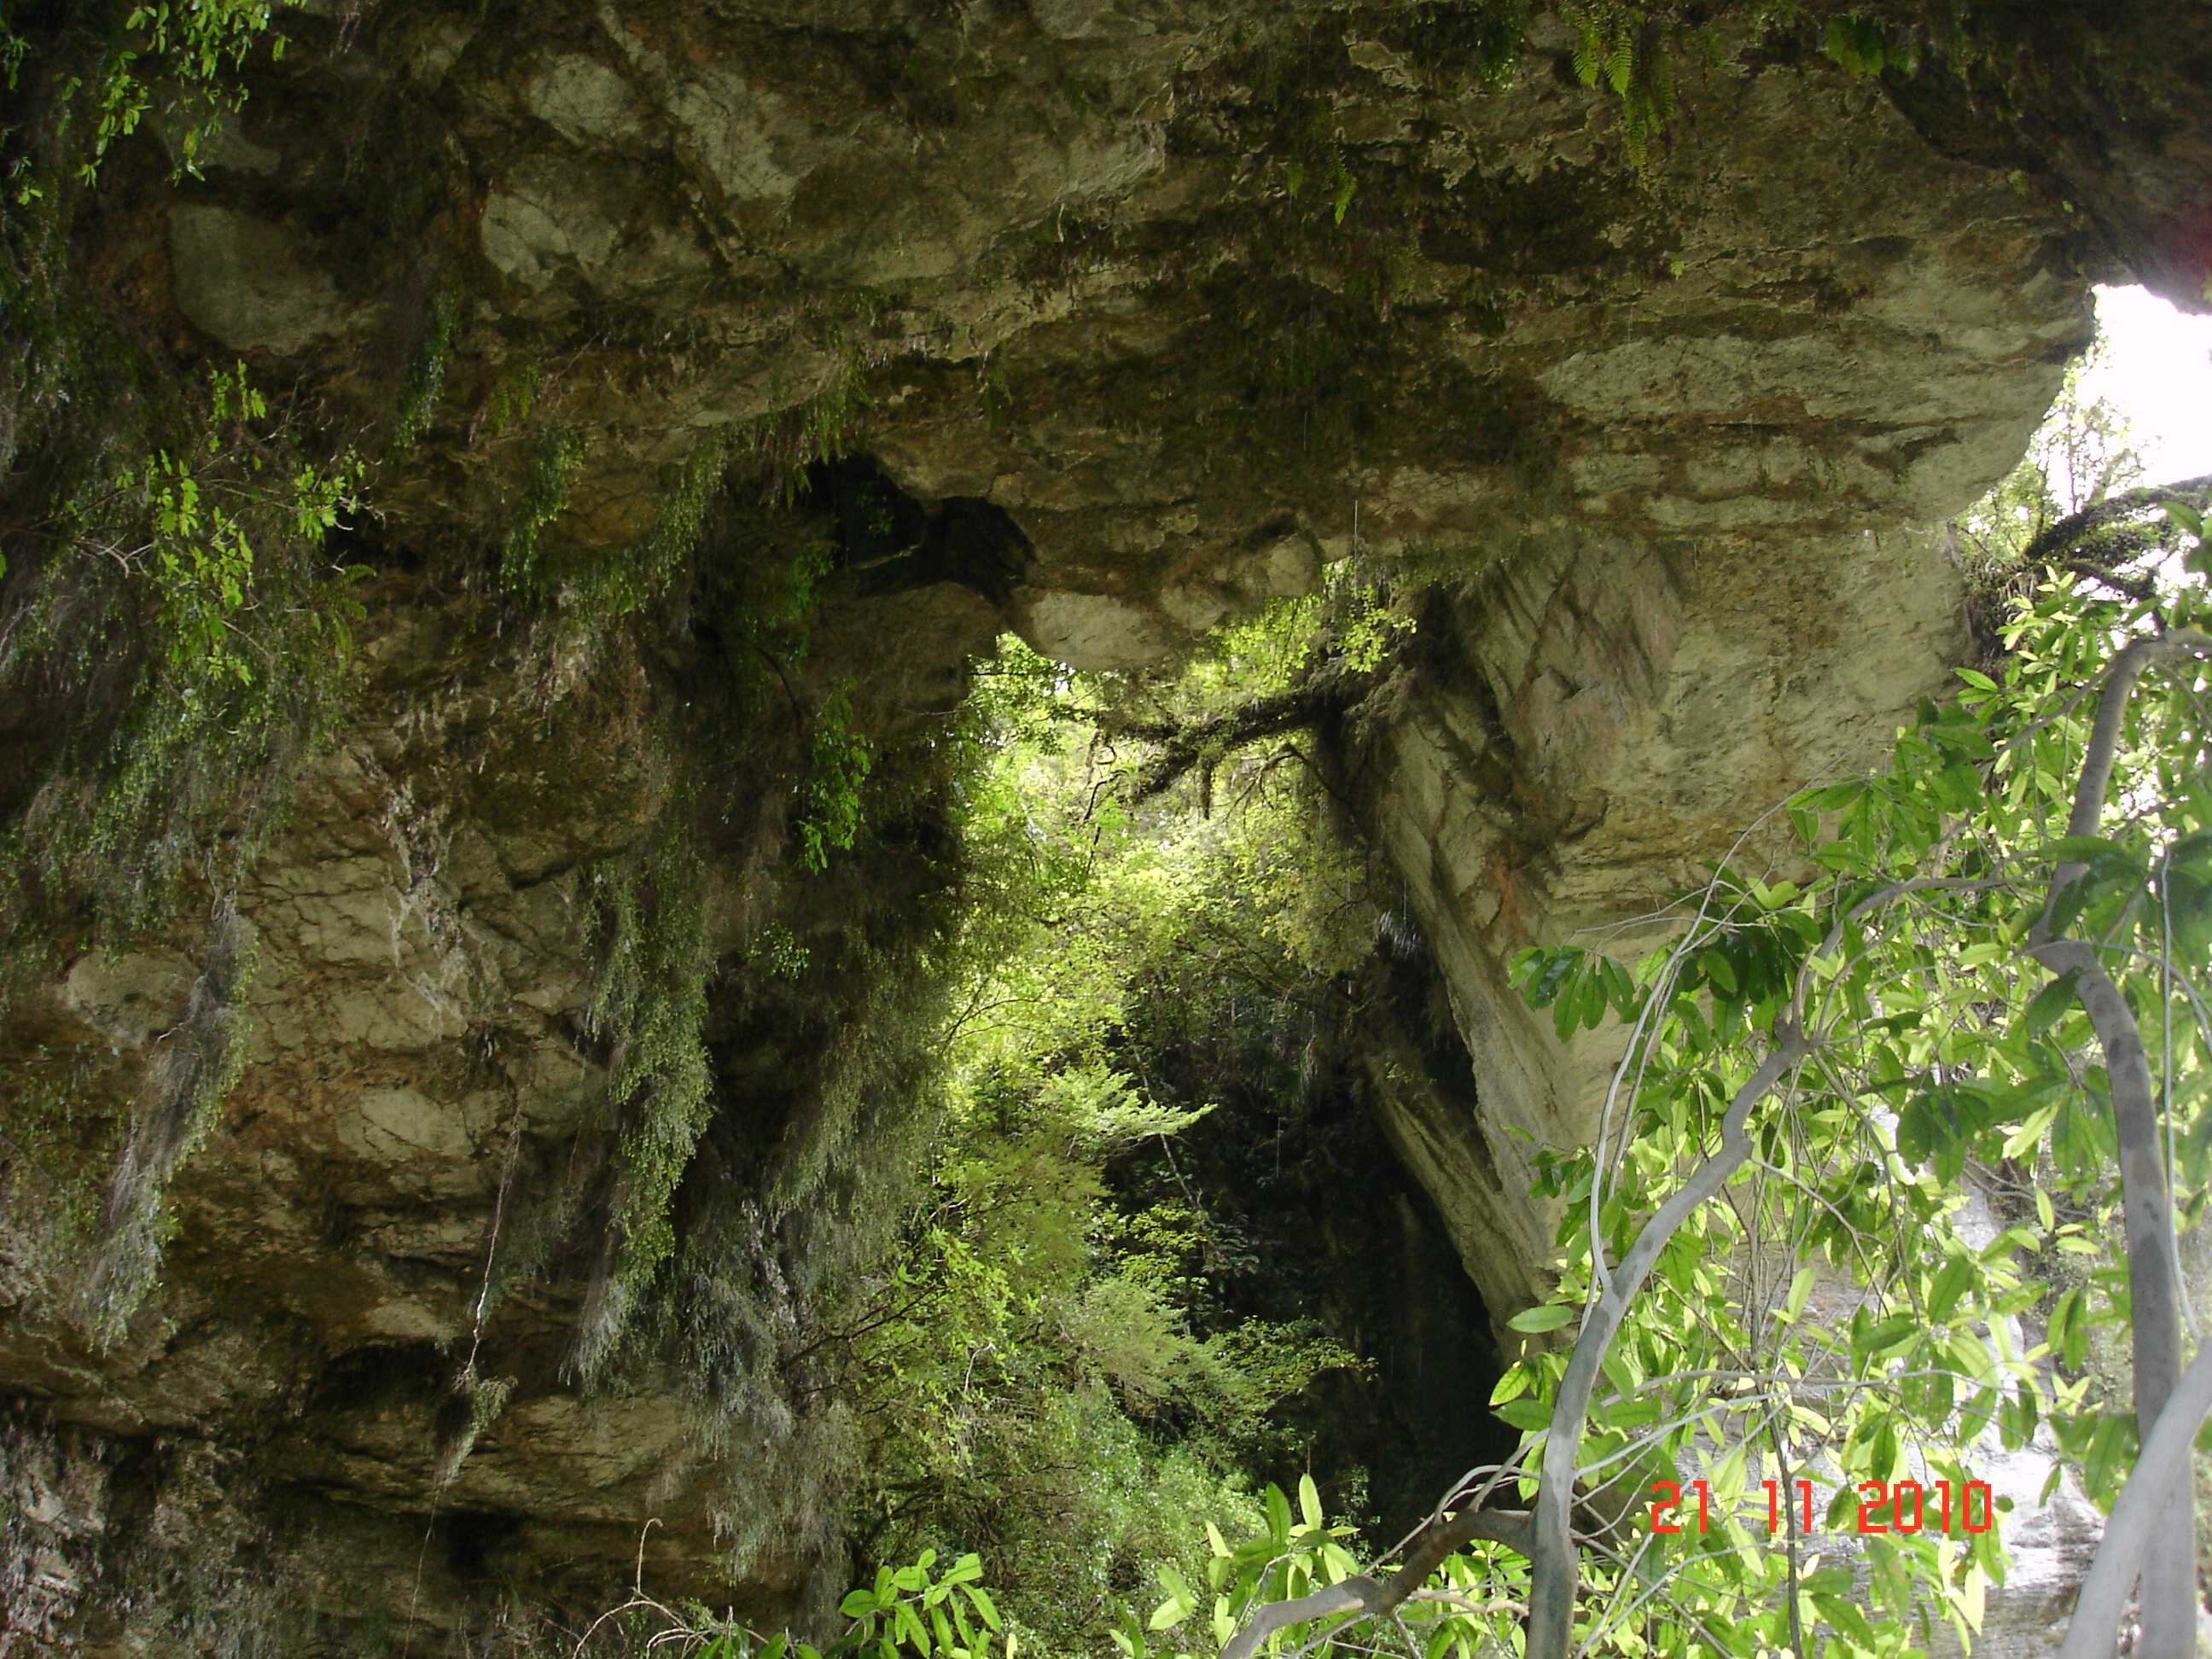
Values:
[(1143, 310)]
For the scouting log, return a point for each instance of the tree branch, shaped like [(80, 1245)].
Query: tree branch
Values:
[(1184, 745), (2053, 545), (2095, 1632), (1376, 1598), (2167, 1560), (1555, 1570)]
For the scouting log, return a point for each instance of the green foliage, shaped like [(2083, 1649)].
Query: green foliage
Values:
[(513, 395), (817, 427), (1488, 34), (838, 760), (952, 1613), (598, 590), (1288, 1556), (2082, 455), (199, 558), (917, 1609), (1046, 1370), (560, 453), (171, 604), (1940, 1044), (1860, 46), (425, 378), (1617, 44), (188, 53), (648, 1008), (1316, 158)]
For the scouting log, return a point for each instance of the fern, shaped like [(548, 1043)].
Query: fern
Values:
[(1618, 45), (1620, 65), (1587, 60)]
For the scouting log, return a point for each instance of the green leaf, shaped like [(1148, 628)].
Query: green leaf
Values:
[(859, 1604), (1529, 1415), (1566, 1015), (908, 1625), (2051, 1003), (1951, 1283), (1888, 1334), (1594, 1000), (1726, 1480), (1309, 1501), (1800, 1287), (2086, 850), (984, 1606), (1544, 1316), (1847, 1617)]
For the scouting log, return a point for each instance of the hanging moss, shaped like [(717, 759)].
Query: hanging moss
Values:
[(199, 1063), (649, 1008), (425, 379), (544, 498)]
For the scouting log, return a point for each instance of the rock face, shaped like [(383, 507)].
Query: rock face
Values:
[(1141, 311)]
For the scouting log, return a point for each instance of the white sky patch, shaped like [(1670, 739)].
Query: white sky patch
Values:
[(2157, 369)]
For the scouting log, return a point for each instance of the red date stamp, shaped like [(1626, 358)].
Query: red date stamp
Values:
[(1907, 1506)]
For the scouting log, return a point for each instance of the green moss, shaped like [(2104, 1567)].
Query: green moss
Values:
[(64, 1124)]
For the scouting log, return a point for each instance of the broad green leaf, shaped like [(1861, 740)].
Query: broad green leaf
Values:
[(2051, 1004), (984, 1606), (1526, 1414), (1951, 1283), (1545, 1316)]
